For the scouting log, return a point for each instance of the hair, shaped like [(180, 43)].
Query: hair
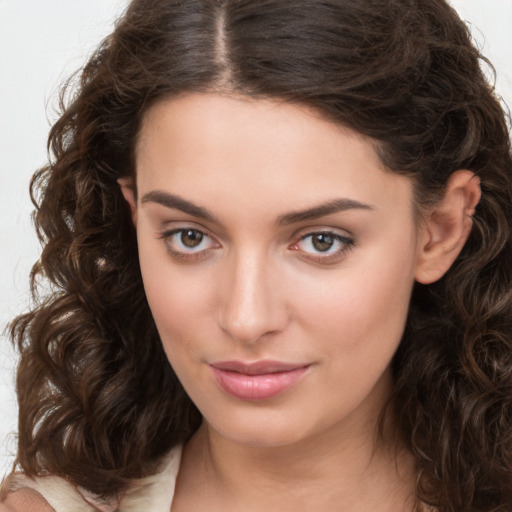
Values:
[(99, 402)]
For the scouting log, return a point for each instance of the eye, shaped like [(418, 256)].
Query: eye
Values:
[(320, 242), (323, 246), (188, 243)]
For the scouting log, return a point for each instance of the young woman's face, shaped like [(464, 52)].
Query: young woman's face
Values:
[(278, 258)]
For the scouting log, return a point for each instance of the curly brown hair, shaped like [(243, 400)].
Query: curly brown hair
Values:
[(99, 402)]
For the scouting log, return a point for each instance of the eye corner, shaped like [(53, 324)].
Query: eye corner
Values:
[(336, 246), (177, 247)]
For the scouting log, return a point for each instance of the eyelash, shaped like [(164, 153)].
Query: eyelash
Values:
[(183, 255), (345, 244)]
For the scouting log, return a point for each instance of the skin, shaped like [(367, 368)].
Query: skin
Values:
[(256, 288)]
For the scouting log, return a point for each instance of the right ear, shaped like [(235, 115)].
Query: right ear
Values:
[(128, 190)]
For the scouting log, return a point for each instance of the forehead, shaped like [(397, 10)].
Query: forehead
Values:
[(210, 147)]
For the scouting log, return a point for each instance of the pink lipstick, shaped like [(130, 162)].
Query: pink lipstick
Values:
[(260, 380)]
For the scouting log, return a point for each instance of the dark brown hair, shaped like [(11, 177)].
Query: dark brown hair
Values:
[(98, 400)]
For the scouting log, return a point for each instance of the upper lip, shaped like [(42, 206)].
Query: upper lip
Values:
[(257, 367)]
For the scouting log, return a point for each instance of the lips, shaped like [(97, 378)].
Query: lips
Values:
[(260, 380)]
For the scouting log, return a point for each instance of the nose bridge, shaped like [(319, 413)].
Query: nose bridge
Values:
[(251, 306)]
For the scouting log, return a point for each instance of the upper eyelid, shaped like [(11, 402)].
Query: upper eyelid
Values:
[(185, 223), (173, 227), (343, 239), (183, 254), (347, 243), (168, 233), (312, 230), (169, 229), (335, 234), (172, 231), (313, 213)]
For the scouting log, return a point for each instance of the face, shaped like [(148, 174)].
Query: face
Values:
[(278, 257)]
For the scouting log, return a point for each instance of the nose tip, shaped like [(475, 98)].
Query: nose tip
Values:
[(248, 327), (252, 308)]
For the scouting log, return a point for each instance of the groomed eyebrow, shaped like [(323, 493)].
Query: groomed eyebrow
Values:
[(178, 203), (334, 206)]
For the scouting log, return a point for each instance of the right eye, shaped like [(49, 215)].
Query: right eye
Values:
[(188, 243)]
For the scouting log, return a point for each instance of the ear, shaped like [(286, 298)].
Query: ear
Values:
[(447, 227), (127, 186)]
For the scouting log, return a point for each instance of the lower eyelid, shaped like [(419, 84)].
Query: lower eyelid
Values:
[(346, 244), (183, 254)]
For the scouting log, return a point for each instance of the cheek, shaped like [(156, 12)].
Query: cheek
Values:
[(174, 307), (364, 306), (180, 298), (359, 308)]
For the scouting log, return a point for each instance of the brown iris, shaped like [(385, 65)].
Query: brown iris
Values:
[(322, 241), (191, 238)]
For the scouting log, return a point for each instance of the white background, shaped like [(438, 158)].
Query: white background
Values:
[(41, 43)]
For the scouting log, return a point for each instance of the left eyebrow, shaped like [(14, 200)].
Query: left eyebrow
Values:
[(334, 206)]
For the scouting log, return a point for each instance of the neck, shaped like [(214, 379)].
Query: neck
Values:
[(343, 470)]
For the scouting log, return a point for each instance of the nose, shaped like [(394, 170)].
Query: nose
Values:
[(252, 306)]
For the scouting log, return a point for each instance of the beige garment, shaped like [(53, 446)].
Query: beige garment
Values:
[(155, 493)]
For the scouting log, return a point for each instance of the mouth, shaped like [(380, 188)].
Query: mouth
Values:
[(260, 380)]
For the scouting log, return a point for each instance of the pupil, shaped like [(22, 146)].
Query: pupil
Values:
[(322, 242), (191, 238)]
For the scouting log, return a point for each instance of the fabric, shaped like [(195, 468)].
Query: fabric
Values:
[(23, 494)]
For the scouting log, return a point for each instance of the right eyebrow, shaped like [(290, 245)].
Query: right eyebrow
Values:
[(178, 203)]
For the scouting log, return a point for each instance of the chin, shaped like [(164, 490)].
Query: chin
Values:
[(260, 430)]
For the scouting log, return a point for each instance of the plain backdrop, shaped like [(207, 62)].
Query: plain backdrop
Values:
[(41, 43)]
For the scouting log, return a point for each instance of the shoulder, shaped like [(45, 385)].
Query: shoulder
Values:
[(20, 493), (25, 500), (45, 494), (156, 492)]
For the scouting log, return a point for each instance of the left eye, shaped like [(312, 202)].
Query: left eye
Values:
[(187, 241), (323, 243)]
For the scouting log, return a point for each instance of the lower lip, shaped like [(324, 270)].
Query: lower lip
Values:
[(257, 387)]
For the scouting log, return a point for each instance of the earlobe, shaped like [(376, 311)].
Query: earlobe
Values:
[(447, 227), (128, 190)]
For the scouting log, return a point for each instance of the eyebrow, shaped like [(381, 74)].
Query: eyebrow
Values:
[(178, 203), (334, 206), (328, 208)]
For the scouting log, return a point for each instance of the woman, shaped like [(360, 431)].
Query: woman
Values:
[(279, 239)]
